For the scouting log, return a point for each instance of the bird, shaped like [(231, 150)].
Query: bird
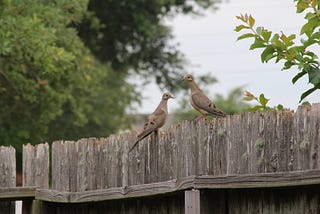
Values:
[(155, 120), (200, 101)]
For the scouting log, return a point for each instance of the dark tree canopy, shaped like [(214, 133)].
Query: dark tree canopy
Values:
[(64, 64), (132, 35)]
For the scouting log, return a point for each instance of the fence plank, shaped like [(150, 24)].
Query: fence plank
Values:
[(192, 202), (7, 174), (35, 165)]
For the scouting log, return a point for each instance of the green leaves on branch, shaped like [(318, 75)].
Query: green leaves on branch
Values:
[(282, 47), (262, 103)]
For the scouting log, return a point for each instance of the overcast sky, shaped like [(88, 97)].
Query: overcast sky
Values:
[(209, 43)]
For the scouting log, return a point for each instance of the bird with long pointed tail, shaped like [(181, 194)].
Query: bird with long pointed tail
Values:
[(156, 120), (200, 101)]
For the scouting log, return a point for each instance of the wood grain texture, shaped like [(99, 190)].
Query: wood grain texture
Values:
[(35, 165), (245, 181), (17, 193), (261, 158), (249, 143), (7, 175), (192, 202)]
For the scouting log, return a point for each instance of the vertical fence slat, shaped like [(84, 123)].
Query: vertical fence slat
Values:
[(314, 135), (7, 175), (35, 165)]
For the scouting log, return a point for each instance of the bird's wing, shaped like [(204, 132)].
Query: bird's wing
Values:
[(154, 122), (204, 104)]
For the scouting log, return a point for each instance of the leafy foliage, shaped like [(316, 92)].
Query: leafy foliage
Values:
[(132, 36), (64, 68), (282, 47), (262, 103), (51, 86)]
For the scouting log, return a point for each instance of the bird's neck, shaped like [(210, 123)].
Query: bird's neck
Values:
[(162, 106), (193, 86)]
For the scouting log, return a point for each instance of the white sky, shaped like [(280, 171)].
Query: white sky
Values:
[(209, 43)]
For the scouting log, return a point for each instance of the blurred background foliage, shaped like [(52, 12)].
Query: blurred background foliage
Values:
[(65, 65)]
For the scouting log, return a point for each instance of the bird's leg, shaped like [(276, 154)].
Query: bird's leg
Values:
[(200, 117)]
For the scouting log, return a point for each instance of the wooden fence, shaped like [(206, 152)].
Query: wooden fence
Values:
[(247, 163)]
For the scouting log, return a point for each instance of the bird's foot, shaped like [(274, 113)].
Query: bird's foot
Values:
[(200, 118)]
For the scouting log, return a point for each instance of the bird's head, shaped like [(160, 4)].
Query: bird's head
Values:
[(167, 96), (188, 77)]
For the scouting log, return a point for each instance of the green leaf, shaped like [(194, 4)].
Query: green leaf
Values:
[(308, 92), (247, 35), (314, 75), (279, 107), (251, 21), (311, 54), (287, 65), (309, 27), (275, 40), (240, 27), (301, 6), (266, 35), (259, 30), (288, 40), (306, 103), (257, 44), (248, 98), (264, 109), (267, 54), (255, 108), (310, 15), (263, 100)]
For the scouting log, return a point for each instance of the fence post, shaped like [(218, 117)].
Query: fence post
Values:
[(192, 201), (7, 175)]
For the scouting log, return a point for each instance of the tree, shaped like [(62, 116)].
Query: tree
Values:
[(64, 69), (132, 36), (283, 47), (50, 83)]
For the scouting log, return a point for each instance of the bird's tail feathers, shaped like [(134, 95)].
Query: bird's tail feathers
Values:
[(140, 137)]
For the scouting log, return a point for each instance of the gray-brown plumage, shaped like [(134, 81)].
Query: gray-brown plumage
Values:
[(200, 101), (156, 120)]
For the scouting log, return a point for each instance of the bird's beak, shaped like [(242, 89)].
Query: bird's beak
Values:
[(171, 96)]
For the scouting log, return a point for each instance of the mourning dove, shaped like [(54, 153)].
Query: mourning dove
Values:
[(200, 101), (156, 120)]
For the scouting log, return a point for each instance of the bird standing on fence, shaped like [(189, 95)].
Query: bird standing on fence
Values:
[(200, 101), (156, 120)]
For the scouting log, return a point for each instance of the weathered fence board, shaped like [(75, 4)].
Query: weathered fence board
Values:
[(7, 175), (17, 193), (275, 201), (35, 165), (239, 144), (261, 180), (250, 150)]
